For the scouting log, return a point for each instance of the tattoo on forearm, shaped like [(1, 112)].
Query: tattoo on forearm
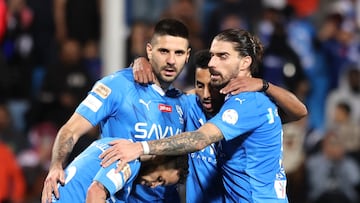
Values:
[(184, 143), (62, 148)]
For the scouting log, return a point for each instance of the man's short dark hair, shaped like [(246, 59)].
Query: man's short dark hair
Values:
[(171, 27), (202, 58)]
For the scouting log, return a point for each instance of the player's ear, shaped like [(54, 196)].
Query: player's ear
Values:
[(188, 55), (245, 62), (149, 50)]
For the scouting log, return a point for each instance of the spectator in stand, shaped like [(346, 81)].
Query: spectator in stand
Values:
[(15, 140), (139, 35), (12, 182), (348, 130), (339, 43), (332, 175), (65, 84), (246, 10), (2, 19), (70, 23), (43, 33), (281, 64), (92, 60), (187, 12), (79, 20), (294, 159), (349, 89), (35, 160)]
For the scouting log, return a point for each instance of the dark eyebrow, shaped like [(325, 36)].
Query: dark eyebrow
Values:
[(221, 54), (163, 49), (198, 82), (179, 51)]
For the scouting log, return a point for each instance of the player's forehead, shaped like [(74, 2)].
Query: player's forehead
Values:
[(202, 75), (221, 47), (170, 42)]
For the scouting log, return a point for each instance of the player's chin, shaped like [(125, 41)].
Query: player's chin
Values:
[(168, 79), (207, 108)]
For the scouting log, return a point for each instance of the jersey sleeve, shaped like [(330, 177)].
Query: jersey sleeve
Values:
[(243, 113), (114, 182), (103, 99)]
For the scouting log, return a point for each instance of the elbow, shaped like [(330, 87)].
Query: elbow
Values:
[(303, 112), (95, 192), (299, 114)]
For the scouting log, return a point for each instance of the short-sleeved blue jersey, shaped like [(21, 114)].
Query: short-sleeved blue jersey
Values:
[(86, 167), (203, 183), (126, 109), (250, 156)]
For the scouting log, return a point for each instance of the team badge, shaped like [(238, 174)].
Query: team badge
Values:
[(230, 116)]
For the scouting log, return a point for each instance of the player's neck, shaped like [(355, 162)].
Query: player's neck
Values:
[(163, 85)]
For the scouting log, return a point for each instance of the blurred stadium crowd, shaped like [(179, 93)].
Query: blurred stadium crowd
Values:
[(50, 57)]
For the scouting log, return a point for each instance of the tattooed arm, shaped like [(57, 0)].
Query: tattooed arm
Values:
[(63, 145), (186, 142), (182, 143)]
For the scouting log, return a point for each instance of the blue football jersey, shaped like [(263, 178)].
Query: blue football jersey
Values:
[(126, 109), (250, 156), (86, 167), (203, 183)]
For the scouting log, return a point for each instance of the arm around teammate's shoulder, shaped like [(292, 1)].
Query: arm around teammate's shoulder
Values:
[(291, 108)]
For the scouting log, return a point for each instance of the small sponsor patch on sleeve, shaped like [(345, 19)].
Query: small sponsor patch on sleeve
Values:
[(92, 103), (126, 171), (116, 179), (102, 90), (119, 179)]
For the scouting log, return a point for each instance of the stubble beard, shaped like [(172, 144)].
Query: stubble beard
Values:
[(219, 84), (165, 81)]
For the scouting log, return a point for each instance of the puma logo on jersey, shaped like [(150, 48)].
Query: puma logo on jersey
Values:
[(145, 104), (239, 100)]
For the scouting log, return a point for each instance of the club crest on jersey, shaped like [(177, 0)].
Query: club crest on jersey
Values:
[(165, 108), (102, 90), (230, 116), (181, 113)]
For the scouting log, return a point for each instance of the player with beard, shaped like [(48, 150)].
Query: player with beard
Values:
[(125, 109), (248, 127)]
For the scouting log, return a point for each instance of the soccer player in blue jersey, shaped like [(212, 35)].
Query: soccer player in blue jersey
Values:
[(204, 181), (128, 110), (85, 179), (248, 127)]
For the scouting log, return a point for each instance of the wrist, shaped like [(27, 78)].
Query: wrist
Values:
[(145, 147), (265, 85)]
